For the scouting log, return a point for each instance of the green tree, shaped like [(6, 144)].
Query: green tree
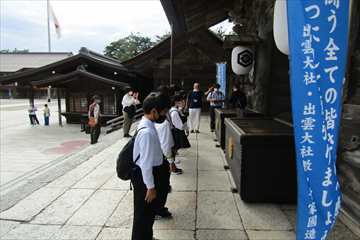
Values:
[(128, 47)]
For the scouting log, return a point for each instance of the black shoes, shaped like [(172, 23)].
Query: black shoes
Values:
[(163, 214), (127, 136), (178, 171), (197, 131), (192, 131)]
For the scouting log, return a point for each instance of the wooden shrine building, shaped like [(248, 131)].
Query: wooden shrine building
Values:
[(78, 78)]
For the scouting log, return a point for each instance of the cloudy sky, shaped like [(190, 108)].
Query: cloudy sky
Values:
[(89, 23)]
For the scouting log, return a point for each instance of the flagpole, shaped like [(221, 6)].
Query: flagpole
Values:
[(171, 53), (48, 25)]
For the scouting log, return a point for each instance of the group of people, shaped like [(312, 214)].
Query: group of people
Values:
[(189, 107), (33, 118), (160, 134)]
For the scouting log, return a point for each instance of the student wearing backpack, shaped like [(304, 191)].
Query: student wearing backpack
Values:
[(150, 179)]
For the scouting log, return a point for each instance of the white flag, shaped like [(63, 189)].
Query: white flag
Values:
[(56, 22)]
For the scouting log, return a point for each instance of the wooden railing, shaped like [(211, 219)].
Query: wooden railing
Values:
[(117, 123)]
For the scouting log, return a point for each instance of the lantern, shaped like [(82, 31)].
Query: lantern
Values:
[(281, 26), (242, 59)]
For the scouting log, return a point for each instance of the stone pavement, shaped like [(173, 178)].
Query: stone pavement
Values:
[(90, 202), (27, 149)]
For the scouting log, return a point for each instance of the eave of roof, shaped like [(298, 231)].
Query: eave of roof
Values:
[(68, 78), (83, 53)]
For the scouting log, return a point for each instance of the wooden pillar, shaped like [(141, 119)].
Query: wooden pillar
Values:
[(59, 105)]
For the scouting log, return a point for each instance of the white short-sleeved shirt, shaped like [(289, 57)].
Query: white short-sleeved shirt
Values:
[(147, 147), (175, 118), (165, 137)]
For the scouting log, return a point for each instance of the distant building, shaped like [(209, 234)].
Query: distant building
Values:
[(77, 78), (11, 63)]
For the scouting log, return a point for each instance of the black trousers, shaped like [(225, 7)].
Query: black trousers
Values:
[(163, 187), (95, 133), (212, 117), (31, 119), (144, 213)]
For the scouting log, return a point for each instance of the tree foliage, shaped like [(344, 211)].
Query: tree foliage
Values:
[(132, 45), (128, 47)]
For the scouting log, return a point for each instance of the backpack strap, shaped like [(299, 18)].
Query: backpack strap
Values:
[(137, 131)]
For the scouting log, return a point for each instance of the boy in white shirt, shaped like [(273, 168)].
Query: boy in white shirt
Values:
[(150, 180)]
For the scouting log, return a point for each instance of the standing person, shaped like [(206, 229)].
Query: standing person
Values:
[(46, 115), (216, 99), (167, 144), (94, 119), (238, 99), (194, 103), (180, 138), (32, 115), (129, 102), (150, 179)]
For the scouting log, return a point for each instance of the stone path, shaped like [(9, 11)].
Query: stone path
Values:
[(90, 202)]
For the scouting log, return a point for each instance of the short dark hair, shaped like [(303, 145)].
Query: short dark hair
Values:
[(45, 105), (216, 85), (176, 98), (155, 100), (95, 97)]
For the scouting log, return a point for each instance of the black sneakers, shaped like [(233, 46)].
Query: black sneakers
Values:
[(127, 136), (178, 171), (163, 214)]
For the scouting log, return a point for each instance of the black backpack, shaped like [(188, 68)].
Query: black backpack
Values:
[(125, 164)]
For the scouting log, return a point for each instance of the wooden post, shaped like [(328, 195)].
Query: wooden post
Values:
[(59, 106)]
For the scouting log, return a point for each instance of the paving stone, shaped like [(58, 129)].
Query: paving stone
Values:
[(210, 161), (114, 233), (217, 210), (6, 226), (182, 206), (64, 207), (76, 233), (270, 235), (262, 216), (174, 234), (30, 231), (220, 235), (72, 176), (214, 181), (116, 183), (26, 209), (184, 182), (97, 209), (187, 162), (95, 179), (123, 214)]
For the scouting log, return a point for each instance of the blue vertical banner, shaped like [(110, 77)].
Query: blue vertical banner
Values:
[(318, 35), (221, 76)]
